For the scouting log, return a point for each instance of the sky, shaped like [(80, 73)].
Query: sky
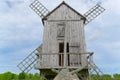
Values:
[(21, 32)]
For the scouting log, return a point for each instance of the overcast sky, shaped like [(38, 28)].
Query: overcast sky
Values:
[(21, 32)]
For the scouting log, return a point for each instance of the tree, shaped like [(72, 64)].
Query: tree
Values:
[(21, 76), (1, 77), (14, 77), (30, 76), (106, 77), (116, 76), (7, 76)]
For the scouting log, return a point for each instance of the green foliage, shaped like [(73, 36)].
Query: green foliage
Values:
[(1, 76), (20, 76), (7, 76), (102, 77), (24, 76), (116, 76), (106, 77), (94, 77)]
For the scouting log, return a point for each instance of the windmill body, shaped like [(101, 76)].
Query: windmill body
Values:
[(63, 33), (63, 51), (63, 40)]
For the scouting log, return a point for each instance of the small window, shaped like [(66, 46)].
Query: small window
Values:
[(67, 47), (61, 30), (61, 47), (68, 55)]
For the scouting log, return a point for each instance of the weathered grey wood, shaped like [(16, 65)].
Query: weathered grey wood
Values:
[(75, 60), (63, 25), (74, 33), (64, 75), (64, 13)]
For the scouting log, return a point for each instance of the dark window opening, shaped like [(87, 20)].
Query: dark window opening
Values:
[(61, 47), (67, 47), (61, 56), (68, 55)]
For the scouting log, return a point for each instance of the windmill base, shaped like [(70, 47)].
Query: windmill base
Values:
[(64, 74)]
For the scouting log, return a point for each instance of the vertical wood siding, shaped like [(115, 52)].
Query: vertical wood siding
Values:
[(74, 34)]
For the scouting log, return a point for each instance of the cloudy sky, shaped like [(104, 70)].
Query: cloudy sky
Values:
[(21, 32)]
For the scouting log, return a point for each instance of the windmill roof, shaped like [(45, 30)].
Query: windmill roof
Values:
[(67, 6)]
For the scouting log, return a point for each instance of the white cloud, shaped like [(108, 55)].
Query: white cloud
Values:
[(103, 38), (18, 24), (106, 54), (9, 61), (20, 33)]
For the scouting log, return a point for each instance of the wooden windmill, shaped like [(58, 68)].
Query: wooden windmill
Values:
[(62, 55)]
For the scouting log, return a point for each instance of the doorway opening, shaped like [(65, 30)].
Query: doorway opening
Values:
[(61, 55), (68, 54)]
